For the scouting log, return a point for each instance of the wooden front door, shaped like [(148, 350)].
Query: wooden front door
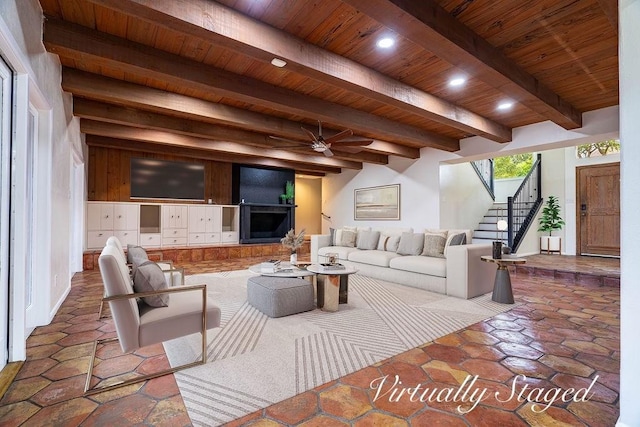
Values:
[(598, 204)]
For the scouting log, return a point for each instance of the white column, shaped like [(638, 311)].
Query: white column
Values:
[(629, 33)]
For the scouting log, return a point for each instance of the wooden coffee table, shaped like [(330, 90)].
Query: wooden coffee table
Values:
[(334, 289), (502, 291)]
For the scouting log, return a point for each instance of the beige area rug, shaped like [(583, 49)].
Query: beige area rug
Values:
[(255, 361)]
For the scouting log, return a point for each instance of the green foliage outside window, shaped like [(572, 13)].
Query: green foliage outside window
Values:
[(598, 149), (512, 166)]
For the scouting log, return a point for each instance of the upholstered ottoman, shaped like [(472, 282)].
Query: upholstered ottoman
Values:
[(280, 296)]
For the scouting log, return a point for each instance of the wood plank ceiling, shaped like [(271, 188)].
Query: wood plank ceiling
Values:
[(196, 75)]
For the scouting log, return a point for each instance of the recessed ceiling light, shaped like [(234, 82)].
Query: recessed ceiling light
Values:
[(278, 62), (506, 105), (458, 81), (385, 42)]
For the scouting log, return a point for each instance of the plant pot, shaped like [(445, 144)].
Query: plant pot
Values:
[(550, 244)]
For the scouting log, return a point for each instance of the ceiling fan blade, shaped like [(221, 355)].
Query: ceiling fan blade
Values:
[(328, 153), (356, 143), (311, 135), (345, 133)]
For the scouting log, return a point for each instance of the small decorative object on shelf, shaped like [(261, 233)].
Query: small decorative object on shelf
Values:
[(289, 193), (293, 243)]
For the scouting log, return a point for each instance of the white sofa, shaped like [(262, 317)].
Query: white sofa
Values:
[(461, 273)]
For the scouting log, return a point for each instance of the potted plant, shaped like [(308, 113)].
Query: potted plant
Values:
[(289, 193), (549, 222), (293, 243)]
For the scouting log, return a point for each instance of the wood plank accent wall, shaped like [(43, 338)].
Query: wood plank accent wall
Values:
[(109, 175)]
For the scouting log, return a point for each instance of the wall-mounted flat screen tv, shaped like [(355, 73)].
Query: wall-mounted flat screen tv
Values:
[(164, 179)]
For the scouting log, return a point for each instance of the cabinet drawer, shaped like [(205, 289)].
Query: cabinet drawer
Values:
[(212, 237), (229, 237), (174, 232), (127, 237), (174, 241), (97, 239), (150, 240), (197, 238)]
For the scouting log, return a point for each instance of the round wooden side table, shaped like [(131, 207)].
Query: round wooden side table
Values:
[(502, 291)]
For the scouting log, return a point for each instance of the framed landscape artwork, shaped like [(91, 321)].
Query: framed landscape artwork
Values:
[(377, 202)]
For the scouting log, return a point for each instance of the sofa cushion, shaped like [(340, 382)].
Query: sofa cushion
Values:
[(367, 240), (421, 264), (411, 244), (342, 251), (458, 239), (373, 257), (150, 277), (434, 243)]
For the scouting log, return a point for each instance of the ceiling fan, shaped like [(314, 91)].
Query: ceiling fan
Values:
[(321, 145)]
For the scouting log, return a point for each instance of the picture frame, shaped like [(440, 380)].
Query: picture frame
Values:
[(377, 203)]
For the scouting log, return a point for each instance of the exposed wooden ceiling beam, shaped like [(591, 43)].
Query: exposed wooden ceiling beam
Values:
[(155, 136), (87, 46), (429, 25), (93, 86), (226, 27), (148, 147), (610, 9), (99, 111)]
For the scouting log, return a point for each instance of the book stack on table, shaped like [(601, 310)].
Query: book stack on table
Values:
[(270, 266), (333, 266)]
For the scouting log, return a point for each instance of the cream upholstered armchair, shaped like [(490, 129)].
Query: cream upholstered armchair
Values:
[(174, 275), (139, 325)]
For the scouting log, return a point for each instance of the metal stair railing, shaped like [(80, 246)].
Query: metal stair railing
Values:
[(524, 204), (484, 169)]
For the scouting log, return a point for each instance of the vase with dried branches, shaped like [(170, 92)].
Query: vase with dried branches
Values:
[(293, 242)]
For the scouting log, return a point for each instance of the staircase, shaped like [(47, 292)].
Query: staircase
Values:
[(487, 230)]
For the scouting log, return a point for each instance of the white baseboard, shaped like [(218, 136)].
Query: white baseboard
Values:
[(55, 309)]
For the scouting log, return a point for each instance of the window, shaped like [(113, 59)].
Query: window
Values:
[(597, 149)]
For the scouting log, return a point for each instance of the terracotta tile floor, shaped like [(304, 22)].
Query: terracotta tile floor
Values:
[(564, 334)]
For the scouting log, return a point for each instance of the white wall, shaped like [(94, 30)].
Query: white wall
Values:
[(419, 191), (21, 44), (629, 13), (506, 187), (463, 198)]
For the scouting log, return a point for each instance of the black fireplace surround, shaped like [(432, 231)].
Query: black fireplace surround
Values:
[(264, 223)]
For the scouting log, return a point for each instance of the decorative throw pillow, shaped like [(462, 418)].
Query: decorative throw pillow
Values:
[(388, 243), (136, 255), (434, 243), (410, 244), (367, 240), (392, 243), (348, 238), (458, 239), (149, 277), (337, 237)]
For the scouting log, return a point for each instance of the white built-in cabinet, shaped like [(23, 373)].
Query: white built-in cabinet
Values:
[(161, 225), (205, 225), (111, 219)]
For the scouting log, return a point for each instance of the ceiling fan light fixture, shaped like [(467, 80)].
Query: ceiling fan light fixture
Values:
[(277, 62)]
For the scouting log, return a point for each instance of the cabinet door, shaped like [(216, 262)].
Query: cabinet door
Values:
[(106, 216), (197, 220), (125, 216), (168, 216), (94, 213), (182, 220), (213, 219), (127, 237)]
